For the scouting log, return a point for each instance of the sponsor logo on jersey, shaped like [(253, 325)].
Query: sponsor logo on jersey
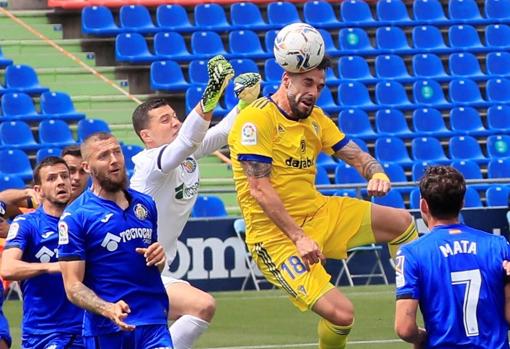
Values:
[(299, 163), (189, 165), (111, 241), (107, 217), (44, 254), (249, 134), (185, 193), (141, 212), (281, 129), (399, 269), (302, 146), (47, 234)]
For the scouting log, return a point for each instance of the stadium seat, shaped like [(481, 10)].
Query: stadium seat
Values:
[(391, 67), (171, 45), (4, 62), (352, 193), (320, 14), (246, 15), (391, 122), (98, 21), (59, 105), (498, 146), (392, 149), (466, 120), (346, 174), (167, 76), (211, 17), (17, 134), (497, 195), (208, 206), (246, 44), (55, 133), (497, 168), (414, 199), (429, 11), (498, 63), (392, 199), (136, 18), (472, 198), (429, 38), (230, 100), (269, 89), (244, 65), (43, 153), (393, 11), (465, 64), (392, 39), (429, 121), (10, 182), (497, 36), (86, 127), (354, 40), (498, 90), (272, 71), (355, 123), (464, 37), (322, 178), (465, 91), (429, 92), (327, 102), (354, 94), (132, 48), (329, 44), (15, 162), (331, 78), (498, 118), (326, 161), (206, 44), (464, 11), (469, 169), (23, 78), (129, 151), (354, 68), (418, 169), (281, 13), (173, 17), (269, 38), (497, 10), (428, 149), (19, 106), (356, 13), (391, 93), (465, 148), (429, 65), (395, 172)]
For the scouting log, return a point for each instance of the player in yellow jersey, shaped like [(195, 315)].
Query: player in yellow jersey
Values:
[(291, 227)]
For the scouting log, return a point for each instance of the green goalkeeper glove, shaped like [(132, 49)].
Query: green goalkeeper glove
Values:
[(220, 72), (247, 89)]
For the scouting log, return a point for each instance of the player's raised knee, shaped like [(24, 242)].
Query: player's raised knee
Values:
[(206, 307), (343, 316)]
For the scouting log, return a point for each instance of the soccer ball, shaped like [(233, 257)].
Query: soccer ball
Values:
[(298, 48)]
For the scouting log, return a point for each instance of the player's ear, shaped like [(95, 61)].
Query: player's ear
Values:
[(424, 207), (145, 136), (286, 79), (85, 166)]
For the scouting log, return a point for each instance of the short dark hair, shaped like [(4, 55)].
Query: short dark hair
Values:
[(140, 116), (49, 161), (325, 63), (73, 150), (94, 137), (443, 188)]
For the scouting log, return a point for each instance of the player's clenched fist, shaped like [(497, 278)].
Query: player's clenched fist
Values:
[(309, 251), (379, 185), (118, 312), (154, 254)]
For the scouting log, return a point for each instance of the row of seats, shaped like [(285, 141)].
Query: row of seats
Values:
[(80, 4), (21, 78), (99, 20)]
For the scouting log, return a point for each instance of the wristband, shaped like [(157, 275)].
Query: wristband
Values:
[(380, 175)]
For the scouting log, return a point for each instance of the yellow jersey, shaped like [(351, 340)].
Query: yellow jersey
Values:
[(262, 132)]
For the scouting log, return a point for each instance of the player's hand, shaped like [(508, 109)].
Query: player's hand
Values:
[(154, 254), (309, 251), (506, 266), (118, 312), (422, 339), (378, 185)]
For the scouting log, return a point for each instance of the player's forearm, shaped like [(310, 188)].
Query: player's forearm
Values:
[(17, 197), (363, 162), (83, 297), (16, 270)]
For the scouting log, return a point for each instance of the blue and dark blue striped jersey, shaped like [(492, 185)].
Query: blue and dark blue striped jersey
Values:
[(105, 236), (45, 305), (456, 274)]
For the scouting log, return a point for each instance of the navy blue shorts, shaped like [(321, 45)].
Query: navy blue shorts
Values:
[(143, 337), (53, 341)]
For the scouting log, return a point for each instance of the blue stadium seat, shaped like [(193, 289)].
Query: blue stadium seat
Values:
[(86, 127), (281, 13), (19, 106), (354, 41), (391, 67), (497, 10), (17, 134), (346, 174), (247, 15), (43, 153), (355, 123), (464, 11), (244, 65), (391, 93), (469, 168), (132, 48), (322, 178), (354, 68), (498, 118), (498, 63), (395, 172), (208, 206), (466, 120), (498, 90), (98, 21), (465, 148), (329, 44), (229, 98), (498, 146), (357, 13), (246, 44), (429, 38), (346, 193), (55, 133), (269, 38), (429, 65), (129, 151), (392, 39), (59, 105), (392, 149), (327, 102), (211, 17), (429, 11), (331, 78), (173, 17), (429, 121), (497, 36), (136, 18), (206, 44), (326, 161), (272, 71), (393, 11), (428, 149), (465, 91), (320, 14), (465, 64), (171, 45), (414, 199), (4, 62), (10, 182), (498, 168), (472, 198), (418, 169), (167, 76), (23, 78), (497, 195), (15, 162), (269, 89), (429, 92), (392, 199), (354, 94), (391, 122), (464, 37)]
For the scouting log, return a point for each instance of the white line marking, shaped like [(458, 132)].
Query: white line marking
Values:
[(305, 345), (283, 295)]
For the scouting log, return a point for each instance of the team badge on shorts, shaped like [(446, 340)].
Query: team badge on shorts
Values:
[(189, 165), (141, 212)]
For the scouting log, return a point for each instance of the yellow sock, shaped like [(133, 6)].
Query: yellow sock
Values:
[(407, 236), (331, 336)]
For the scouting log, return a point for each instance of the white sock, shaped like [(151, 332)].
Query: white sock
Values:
[(186, 330)]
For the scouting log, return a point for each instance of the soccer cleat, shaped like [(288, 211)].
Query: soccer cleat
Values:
[(247, 88), (220, 72)]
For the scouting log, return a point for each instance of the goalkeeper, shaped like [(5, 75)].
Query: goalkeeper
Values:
[(168, 171)]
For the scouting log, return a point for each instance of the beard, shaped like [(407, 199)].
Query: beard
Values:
[(294, 107), (58, 203), (109, 184)]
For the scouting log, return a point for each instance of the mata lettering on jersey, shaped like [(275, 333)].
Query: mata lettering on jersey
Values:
[(249, 134)]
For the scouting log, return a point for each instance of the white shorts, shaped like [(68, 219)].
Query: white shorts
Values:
[(168, 280)]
